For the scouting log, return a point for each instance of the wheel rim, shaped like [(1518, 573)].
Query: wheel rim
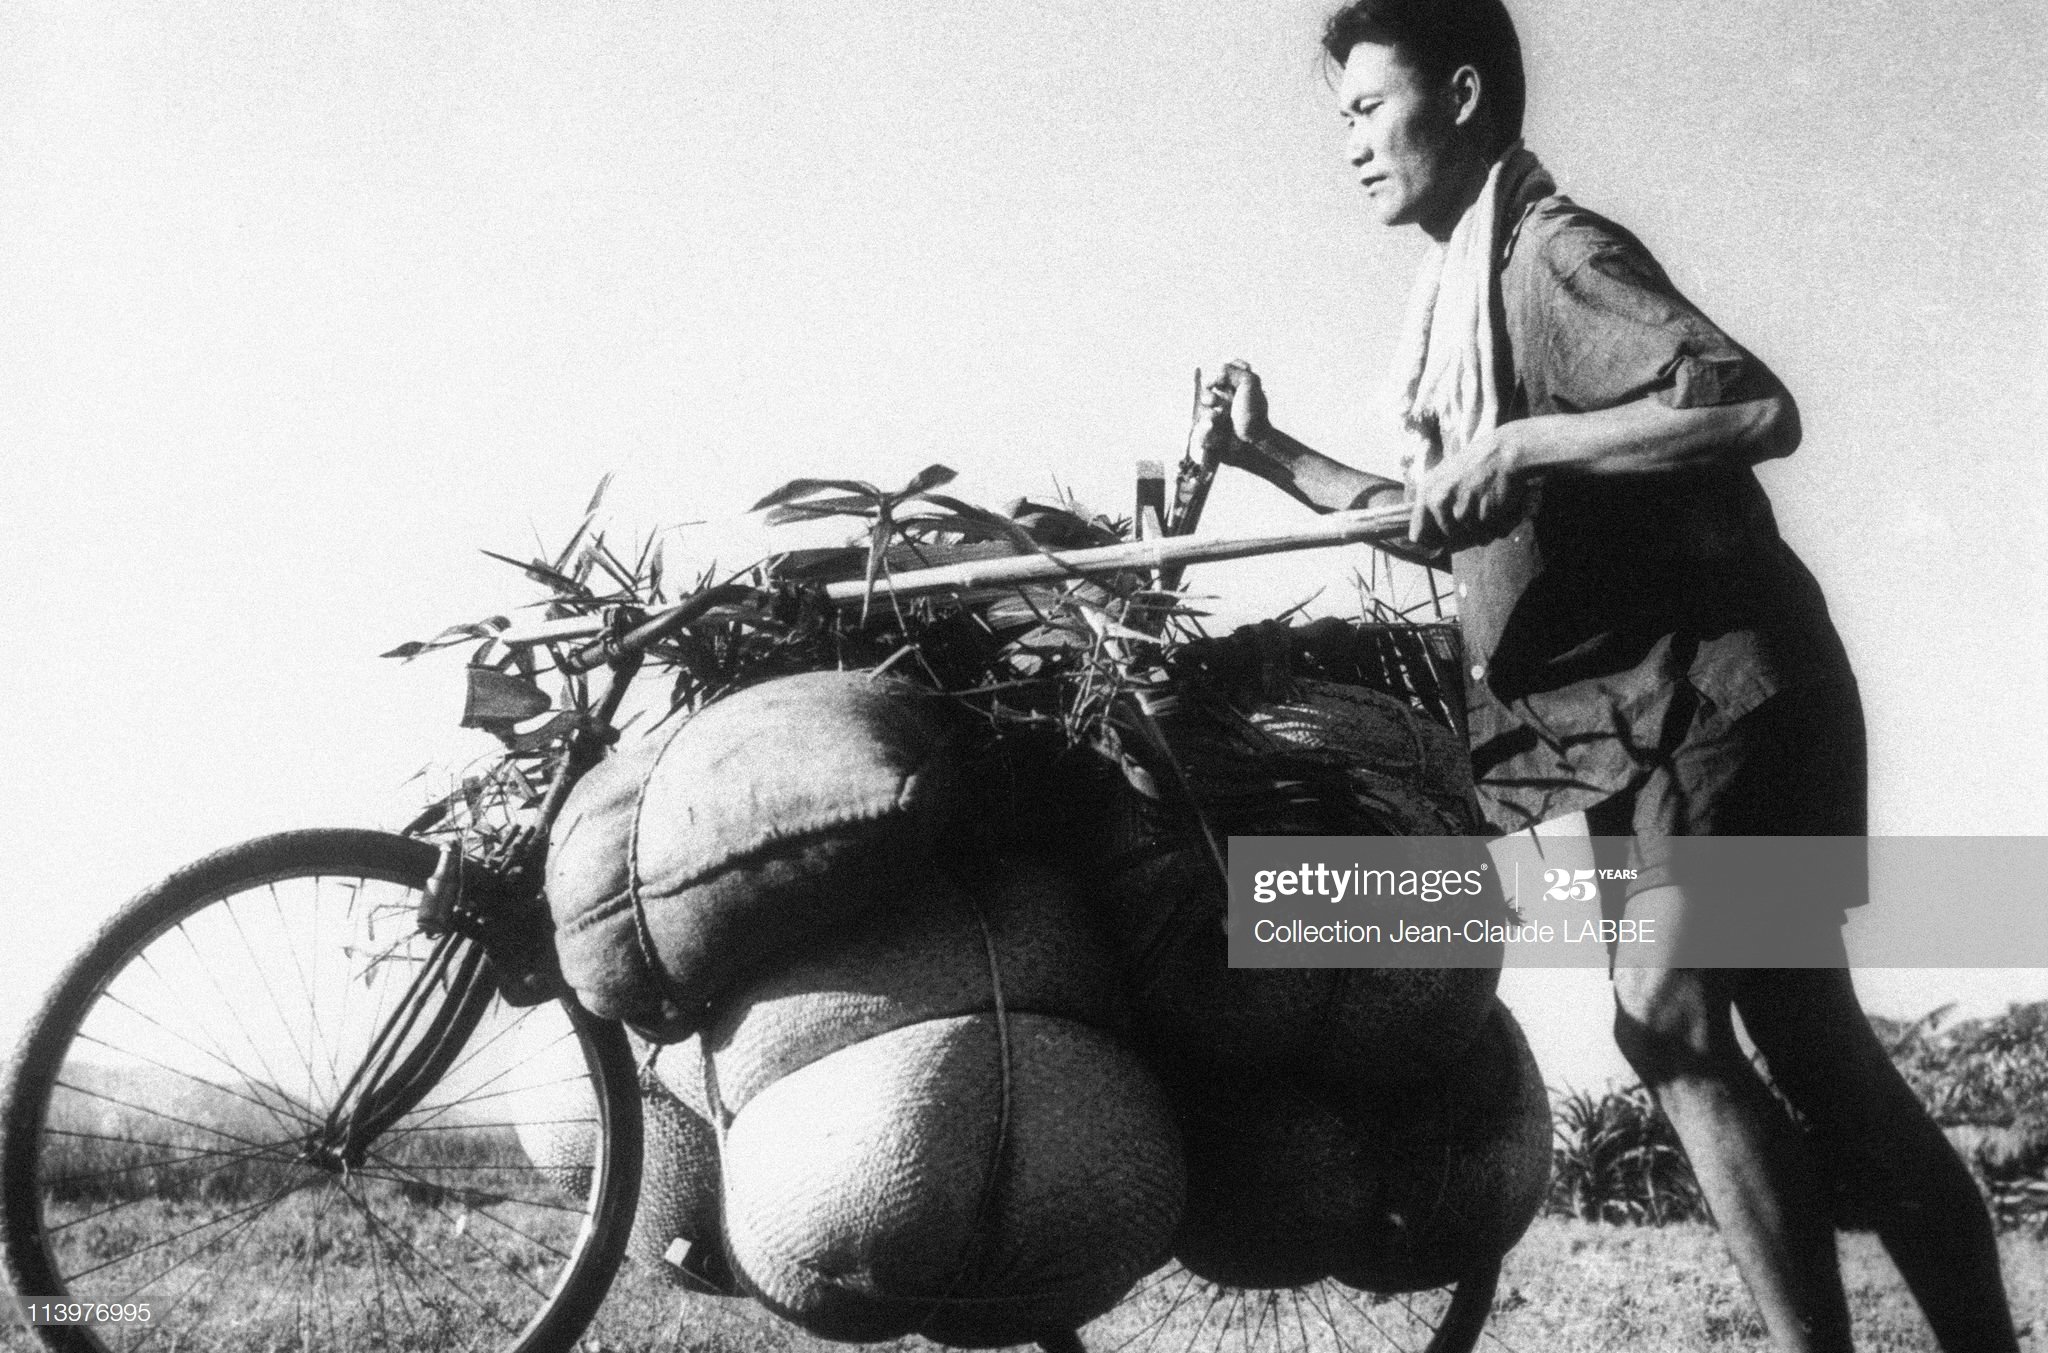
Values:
[(185, 1071)]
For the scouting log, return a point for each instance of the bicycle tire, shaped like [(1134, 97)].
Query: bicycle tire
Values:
[(136, 1122)]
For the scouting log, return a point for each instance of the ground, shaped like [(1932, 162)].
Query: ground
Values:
[(1569, 1287)]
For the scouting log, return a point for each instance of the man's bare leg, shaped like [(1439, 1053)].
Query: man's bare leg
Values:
[(1674, 1026), (1824, 1058)]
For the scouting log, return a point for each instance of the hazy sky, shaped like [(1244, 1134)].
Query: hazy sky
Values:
[(306, 302)]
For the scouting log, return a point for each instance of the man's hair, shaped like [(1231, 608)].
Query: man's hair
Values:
[(1437, 37)]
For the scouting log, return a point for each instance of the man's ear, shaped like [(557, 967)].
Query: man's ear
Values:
[(1465, 90)]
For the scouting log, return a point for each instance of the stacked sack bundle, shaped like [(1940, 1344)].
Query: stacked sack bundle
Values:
[(937, 1079), (1385, 1126), (926, 1120)]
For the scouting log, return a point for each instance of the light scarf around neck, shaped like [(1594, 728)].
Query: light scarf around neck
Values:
[(1445, 388)]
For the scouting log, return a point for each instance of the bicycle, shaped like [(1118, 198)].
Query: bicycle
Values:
[(281, 1098)]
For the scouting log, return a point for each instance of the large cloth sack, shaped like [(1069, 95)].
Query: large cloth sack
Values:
[(1390, 1025), (1465, 1164), (562, 1150), (884, 1188), (1341, 1026), (680, 1181), (941, 953), (1189, 1007), (1281, 1191), (777, 814)]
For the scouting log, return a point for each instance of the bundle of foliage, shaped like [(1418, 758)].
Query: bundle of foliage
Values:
[(1086, 665), (1060, 657)]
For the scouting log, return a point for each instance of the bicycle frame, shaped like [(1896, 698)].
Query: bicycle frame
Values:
[(491, 933)]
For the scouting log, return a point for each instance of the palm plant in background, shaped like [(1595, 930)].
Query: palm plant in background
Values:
[(1617, 1160)]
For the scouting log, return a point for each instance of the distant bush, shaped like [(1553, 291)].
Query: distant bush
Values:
[(1985, 1081), (1617, 1160), (1989, 1072)]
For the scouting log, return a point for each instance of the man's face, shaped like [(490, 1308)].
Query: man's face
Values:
[(1402, 136)]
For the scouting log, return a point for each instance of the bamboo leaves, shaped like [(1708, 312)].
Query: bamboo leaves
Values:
[(797, 501)]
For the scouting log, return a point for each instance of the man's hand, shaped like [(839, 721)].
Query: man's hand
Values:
[(1231, 428), (1231, 422), (1240, 386), (1474, 496)]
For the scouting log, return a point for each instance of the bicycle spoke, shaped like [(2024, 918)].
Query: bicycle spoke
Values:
[(231, 1158), (1319, 1301), (482, 1306), (305, 989), (1351, 1299), (303, 1122), (215, 1243), (241, 1025), (158, 1113), (473, 1097), (515, 1274), (1215, 1296), (218, 1053), (177, 1236), (262, 971)]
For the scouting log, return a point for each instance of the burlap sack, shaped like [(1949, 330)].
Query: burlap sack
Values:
[(1340, 1026), (553, 1110), (773, 816), (680, 1184), (1280, 1190), (1396, 1024), (928, 959), (868, 1194), (679, 1176), (1188, 1005), (1465, 1161), (562, 1150)]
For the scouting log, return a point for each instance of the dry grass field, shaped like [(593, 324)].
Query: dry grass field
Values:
[(1570, 1287), (302, 1244)]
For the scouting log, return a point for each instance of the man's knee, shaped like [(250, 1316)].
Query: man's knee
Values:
[(1668, 1021)]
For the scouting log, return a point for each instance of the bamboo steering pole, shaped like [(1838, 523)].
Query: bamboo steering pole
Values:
[(1337, 528)]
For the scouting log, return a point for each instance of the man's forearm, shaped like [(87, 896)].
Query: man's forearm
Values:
[(1310, 477), (1650, 437), (1327, 485)]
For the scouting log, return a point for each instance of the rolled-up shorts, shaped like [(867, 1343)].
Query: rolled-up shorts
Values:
[(1796, 766)]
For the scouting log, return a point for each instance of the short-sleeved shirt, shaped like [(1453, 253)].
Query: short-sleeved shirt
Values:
[(1616, 594)]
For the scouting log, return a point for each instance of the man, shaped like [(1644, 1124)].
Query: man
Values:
[(1644, 645)]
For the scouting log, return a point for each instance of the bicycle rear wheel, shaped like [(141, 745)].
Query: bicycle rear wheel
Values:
[(160, 1138), (1176, 1311)]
